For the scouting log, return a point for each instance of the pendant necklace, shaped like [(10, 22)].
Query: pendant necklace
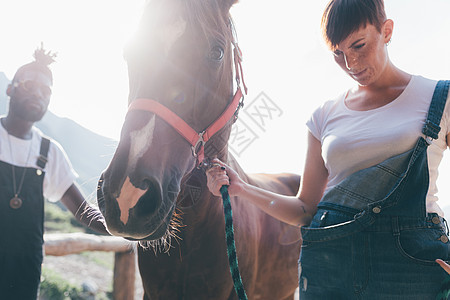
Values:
[(16, 202)]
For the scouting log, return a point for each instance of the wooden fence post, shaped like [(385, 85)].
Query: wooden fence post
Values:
[(124, 275), (59, 244)]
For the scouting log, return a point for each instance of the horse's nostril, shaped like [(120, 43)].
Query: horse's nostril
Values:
[(145, 184), (150, 201)]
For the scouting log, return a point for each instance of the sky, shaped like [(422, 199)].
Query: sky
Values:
[(286, 64)]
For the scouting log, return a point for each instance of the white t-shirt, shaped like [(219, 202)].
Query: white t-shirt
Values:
[(59, 174), (354, 140)]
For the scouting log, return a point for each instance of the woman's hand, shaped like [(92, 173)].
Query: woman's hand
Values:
[(289, 209), (221, 174), (444, 265)]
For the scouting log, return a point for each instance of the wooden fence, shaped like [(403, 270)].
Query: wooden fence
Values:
[(59, 244)]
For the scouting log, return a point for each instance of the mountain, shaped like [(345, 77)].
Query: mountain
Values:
[(4, 81), (88, 152)]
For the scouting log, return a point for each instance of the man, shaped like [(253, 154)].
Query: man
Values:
[(32, 168)]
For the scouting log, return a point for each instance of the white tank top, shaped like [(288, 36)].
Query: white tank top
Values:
[(353, 140)]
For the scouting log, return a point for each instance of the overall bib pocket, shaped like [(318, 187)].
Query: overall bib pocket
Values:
[(324, 219)]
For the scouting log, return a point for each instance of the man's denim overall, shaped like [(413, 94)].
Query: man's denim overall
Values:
[(371, 237)]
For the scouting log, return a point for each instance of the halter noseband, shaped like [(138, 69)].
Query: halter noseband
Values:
[(199, 139), (196, 139)]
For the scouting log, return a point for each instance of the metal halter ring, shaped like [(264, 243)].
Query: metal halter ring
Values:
[(200, 143)]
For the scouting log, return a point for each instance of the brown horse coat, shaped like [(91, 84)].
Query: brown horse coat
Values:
[(152, 191), (197, 266)]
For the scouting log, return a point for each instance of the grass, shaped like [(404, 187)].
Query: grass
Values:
[(54, 286), (58, 219), (104, 259)]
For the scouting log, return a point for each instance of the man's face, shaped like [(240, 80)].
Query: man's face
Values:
[(30, 95)]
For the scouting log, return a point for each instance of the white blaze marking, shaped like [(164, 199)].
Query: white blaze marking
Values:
[(172, 33), (140, 140), (129, 196)]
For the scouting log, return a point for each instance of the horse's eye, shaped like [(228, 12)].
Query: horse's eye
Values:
[(216, 53)]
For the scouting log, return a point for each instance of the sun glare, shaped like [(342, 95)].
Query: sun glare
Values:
[(89, 37), (284, 58)]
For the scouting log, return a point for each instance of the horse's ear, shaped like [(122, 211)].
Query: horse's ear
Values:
[(227, 4)]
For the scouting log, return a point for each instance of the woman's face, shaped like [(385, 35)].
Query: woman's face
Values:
[(363, 54)]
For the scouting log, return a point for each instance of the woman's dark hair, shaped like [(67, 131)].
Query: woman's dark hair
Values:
[(342, 17), (42, 59)]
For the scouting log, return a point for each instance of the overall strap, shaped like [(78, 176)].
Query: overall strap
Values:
[(42, 159), (431, 128)]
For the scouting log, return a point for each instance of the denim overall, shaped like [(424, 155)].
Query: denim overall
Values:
[(21, 231), (371, 237)]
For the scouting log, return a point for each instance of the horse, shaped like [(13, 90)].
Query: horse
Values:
[(182, 60)]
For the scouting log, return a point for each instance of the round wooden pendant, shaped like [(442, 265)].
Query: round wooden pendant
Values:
[(15, 203)]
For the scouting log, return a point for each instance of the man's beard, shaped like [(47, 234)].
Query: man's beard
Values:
[(25, 113)]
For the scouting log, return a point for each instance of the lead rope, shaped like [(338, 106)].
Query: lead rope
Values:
[(231, 246), (228, 213), (444, 291)]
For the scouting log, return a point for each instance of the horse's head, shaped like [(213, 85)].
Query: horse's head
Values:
[(180, 60)]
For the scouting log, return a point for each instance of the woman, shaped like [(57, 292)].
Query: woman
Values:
[(372, 228)]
